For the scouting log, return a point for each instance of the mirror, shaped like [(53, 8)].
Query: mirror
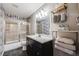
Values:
[(43, 26)]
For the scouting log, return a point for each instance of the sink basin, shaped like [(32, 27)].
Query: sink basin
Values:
[(41, 38)]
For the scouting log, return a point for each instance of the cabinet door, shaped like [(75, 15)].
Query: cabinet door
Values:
[(33, 48), (36, 51)]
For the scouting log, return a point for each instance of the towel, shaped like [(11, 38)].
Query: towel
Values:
[(65, 50), (58, 18), (63, 17), (55, 18), (71, 47), (65, 40)]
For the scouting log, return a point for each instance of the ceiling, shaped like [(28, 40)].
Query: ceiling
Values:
[(21, 9)]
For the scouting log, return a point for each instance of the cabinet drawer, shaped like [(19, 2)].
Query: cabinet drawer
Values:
[(36, 44)]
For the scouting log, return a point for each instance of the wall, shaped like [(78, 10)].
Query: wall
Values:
[(72, 13), (32, 24)]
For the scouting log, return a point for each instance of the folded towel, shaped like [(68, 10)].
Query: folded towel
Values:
[(65, 50), (65, 40), (71, 47)]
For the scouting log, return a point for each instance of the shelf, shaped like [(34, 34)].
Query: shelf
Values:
[(68, 31), (59, 8)]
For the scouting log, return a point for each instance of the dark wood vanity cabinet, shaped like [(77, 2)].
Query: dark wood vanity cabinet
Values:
[(35, 48)]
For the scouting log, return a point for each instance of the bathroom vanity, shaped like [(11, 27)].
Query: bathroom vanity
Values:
[(39, 45)]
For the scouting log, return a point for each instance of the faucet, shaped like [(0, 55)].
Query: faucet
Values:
[(39, 35)]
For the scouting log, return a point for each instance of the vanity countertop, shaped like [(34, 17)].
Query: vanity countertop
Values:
[(42, 39)]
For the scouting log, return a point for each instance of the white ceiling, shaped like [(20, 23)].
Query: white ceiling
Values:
[(21, 9)]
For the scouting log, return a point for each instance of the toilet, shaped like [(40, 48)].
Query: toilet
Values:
[(23, 43)]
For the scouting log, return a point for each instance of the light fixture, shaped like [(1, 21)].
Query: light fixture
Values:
[(45, 13), (42, 13), (39, 15)]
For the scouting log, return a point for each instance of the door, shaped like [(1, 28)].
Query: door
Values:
[(1, 35), (22, 31)]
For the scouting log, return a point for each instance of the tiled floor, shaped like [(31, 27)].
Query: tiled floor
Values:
[(16, 52), (19, 52)]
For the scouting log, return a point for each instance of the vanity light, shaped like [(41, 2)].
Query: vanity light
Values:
[(40, 16), (37, 16), (46, 13), (42, 13)]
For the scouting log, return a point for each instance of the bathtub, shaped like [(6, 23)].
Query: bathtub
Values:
[(12, 46)]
